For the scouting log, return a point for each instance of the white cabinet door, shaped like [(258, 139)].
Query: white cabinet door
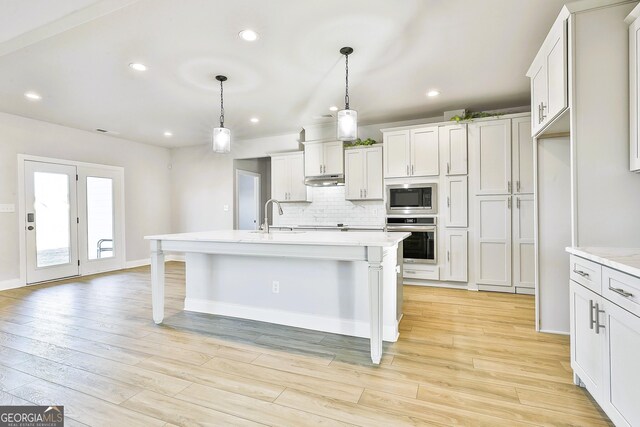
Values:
[(493, 240), (424, 150), (396, 154), (280, 178), (523, 242), (622, 375), (354, 174), (538, 95), (453, 142), (522, 155), (457, 196), (313, 159), (455, 255), (492, 142), (556, 63), (373, 173), (333, 158), (634, 95), (297, 189), (587, 346)]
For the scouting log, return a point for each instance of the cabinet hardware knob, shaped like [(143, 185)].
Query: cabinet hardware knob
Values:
[(621, 292)]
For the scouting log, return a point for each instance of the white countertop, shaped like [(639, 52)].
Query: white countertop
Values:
[(322, 238), (626, 260)]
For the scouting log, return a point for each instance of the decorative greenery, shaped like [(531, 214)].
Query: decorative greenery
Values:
[(358, 141), (475, 115)]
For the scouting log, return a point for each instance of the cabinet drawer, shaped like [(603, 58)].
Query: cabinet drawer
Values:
[(587, 273), (421, 271), (621, 289)]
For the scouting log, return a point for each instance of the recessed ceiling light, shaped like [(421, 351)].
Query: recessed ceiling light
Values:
[(248, 35), (32, 95), (433, 92), (168, 134), (254, 120), (138, 66), (333, 108)]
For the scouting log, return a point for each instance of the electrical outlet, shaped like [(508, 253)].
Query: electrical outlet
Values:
[(275, 287)]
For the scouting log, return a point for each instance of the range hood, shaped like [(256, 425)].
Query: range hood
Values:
[(324, 180)]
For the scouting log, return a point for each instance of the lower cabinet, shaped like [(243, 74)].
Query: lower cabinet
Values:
[(605, 344), (455, 262), (523, 242)]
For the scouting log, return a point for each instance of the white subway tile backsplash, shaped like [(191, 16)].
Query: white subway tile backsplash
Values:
[(328, 207)]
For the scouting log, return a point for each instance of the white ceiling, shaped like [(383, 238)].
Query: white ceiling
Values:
[(475, 52)]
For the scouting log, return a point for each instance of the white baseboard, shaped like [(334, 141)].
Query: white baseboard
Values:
[(547, 331), (147, 261), (525, 291), (10, 284), (333, 325)]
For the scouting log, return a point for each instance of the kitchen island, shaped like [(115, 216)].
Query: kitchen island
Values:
[(331, 281)]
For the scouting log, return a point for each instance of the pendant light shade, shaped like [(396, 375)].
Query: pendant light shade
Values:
[(221, 135), (347, 128)]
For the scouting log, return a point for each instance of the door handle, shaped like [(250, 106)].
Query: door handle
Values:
[(408, 170), (581, 273), (365, 192), (31, 227), (508, 186), (622, 292), (448, 167), (448, 202), (542, 107), (598, 325), (518, 202), (412, 166), (518, 186), (361, 194), (509, 203), (448, 256), (591, 316)]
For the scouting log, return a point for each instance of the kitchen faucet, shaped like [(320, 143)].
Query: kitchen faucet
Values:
[(265, 226)]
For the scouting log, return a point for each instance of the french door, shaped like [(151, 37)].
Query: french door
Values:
[(73, 220), (51, 221)]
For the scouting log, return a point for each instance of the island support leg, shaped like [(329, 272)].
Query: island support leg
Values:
[(157, 281), (374, 257)]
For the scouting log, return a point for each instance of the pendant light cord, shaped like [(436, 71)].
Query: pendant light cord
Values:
[(346, 94), (221, 105)]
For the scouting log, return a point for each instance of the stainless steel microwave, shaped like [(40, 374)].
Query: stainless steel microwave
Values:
[(412, 199)]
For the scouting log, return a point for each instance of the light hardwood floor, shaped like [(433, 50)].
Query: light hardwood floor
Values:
[(463, 358)]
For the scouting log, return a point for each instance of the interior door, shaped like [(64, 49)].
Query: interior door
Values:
[(248, 194), (51, 221)]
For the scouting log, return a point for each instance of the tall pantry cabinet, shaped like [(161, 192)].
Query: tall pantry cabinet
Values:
[(503, 204)]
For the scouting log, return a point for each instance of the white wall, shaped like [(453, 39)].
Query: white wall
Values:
[(147, 201), (260, 166)]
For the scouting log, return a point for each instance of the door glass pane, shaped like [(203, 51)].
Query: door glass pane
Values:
[(51, 193), (99, 217)]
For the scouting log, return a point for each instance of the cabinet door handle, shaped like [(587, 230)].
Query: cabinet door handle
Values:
[(542, 107), (508, 186), (448, 168), (621, 292), (598, 325), (448, 202), (361, 193), (518, 186), (592, 320), (509, 203), (518, 202), (412, 169), (448, 256), (540, 113), (581, 273), (365, 192), (407, 170), (410, 271)]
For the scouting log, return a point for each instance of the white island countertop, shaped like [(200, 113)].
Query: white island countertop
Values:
[(318, 238), (626, 260)]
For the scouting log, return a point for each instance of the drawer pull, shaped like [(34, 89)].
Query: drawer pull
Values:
[(410, 272), (621, 292), (581, 273)]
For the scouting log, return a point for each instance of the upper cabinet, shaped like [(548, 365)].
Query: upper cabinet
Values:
[(453, 142), (634, 88), (522, 162), (492, 144), (363, 173), (287, 177), (411, 153), (323, 158), (549, 78)]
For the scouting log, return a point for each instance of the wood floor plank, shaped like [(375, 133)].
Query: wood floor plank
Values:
[(8, 399), (462, 358), (83, 408)]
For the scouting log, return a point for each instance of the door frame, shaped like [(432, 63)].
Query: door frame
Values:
[(22, 158), (258, 180)]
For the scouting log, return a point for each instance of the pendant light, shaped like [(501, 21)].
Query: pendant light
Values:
[(347, 118), (221, 135)]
